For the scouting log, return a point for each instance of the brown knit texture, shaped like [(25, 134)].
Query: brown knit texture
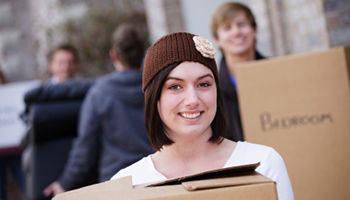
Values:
[(175, 47)]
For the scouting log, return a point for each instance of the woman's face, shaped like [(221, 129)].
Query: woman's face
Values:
[(236, 36), (188, 101)]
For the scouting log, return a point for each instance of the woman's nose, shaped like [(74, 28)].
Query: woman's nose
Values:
[(191, 98)]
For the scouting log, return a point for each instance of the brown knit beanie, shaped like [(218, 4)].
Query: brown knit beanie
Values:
[(177, 47)]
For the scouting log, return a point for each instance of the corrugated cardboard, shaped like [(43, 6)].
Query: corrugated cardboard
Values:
[(300, 105), (240, 182)]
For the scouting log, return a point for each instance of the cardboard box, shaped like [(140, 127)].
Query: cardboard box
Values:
[(300, 105), (240, 182)]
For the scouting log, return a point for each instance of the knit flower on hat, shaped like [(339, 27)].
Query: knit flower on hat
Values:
[(204, 46)]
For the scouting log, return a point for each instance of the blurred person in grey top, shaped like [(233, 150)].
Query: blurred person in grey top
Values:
[(112, 132)]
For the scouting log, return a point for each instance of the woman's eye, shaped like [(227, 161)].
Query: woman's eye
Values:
[(174, 87), (204, 84)]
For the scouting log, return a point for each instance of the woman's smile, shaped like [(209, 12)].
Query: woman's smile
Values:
[(190, 115)]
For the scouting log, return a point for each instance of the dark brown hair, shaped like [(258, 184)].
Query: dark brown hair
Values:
[(65, 47), (129, 45), (227, 12), (154, 125)]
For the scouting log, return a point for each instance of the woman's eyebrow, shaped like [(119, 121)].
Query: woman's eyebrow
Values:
[(199, 78), (206, 75), (174, 78)]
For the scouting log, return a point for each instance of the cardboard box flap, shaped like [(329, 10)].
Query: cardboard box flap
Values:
[(217, 173), (225, 182), (124, 183)]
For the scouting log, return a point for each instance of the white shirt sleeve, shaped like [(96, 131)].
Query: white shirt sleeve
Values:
[(274, 168), (271, 165)]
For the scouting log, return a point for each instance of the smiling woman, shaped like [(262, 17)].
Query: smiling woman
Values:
[(185, 120), (187, 105), (164, 56)]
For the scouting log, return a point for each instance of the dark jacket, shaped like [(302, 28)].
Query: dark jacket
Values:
[(51, 116), (69, 94), (111, 132), (230, 100)]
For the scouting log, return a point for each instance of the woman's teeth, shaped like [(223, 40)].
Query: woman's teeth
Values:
[(190, 116)]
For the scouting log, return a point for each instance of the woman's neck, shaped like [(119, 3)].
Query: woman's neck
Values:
[(188, 145), (180, 159), (189, 150)]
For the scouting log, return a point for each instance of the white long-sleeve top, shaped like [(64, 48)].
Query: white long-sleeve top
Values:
[(271, 166)]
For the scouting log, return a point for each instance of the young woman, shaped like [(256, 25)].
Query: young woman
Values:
[(185, 118)]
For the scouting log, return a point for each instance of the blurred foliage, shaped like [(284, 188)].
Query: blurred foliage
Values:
[(91, 34)]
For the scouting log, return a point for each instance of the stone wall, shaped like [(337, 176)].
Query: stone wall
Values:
[(337, 13), (47, 15), (266, 42), (17, 48), (290, 26), (26, 32), (305, 26), (163, 16)]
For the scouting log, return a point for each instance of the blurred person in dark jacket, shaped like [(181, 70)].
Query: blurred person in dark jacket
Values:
[(112, 132), (234, 29), (63, 63)]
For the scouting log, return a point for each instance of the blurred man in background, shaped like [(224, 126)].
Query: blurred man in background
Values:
[(234, 29), (63, 63)]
